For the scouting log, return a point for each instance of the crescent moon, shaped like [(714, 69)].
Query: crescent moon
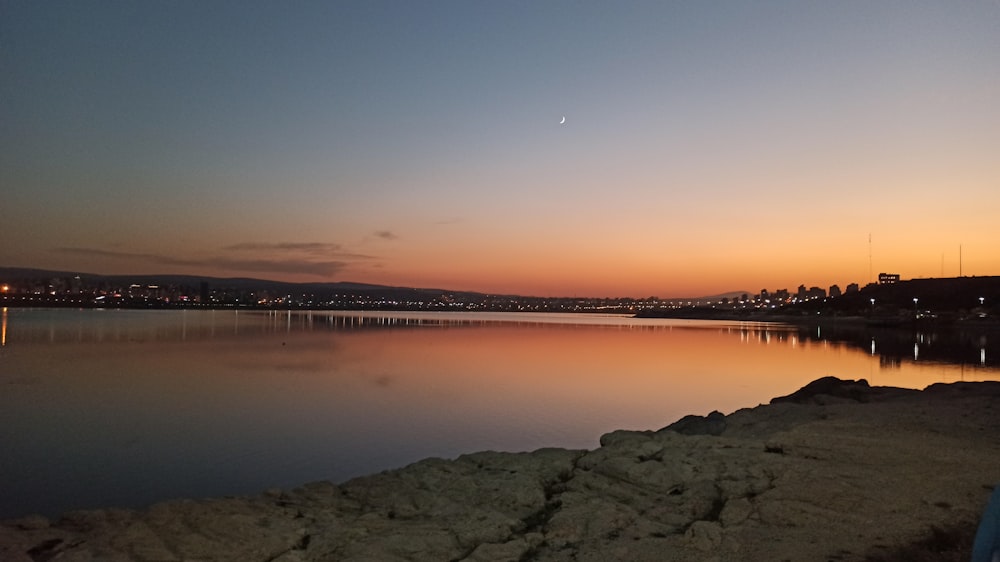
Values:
[(563, 120)]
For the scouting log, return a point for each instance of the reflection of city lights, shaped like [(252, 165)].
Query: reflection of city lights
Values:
[(3, 327), (982, 353), (873, 346), (916, 351)]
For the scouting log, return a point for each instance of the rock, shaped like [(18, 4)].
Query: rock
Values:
[(828, 387), (704, 535), (510, 551), (983, 388), (735, 512), (831, 390), (712, 424), (31, 522), (623, 437), (867, 469)]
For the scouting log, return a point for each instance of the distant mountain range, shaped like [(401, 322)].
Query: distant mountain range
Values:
[(20, 274), (16, 274)]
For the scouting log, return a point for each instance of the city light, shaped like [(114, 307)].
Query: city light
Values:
[(891, 307)]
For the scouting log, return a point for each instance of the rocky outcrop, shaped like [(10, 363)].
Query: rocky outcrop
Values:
[(831, 389), (712, 424), (836, 479)]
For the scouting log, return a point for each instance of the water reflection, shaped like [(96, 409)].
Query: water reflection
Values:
[(90, 326), (963, 346), (125, 407)]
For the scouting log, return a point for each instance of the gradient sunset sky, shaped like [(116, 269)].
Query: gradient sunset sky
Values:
[(707, 146)]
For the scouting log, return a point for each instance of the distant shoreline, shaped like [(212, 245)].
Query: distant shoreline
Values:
[(884, 321), (945, 299)]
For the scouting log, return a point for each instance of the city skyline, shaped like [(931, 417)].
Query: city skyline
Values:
[(555, 149), (19, 284)]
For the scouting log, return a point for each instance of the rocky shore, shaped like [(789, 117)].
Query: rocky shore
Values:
[(836, 471)]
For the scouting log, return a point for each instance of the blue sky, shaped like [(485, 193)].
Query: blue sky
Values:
[(707, 146)]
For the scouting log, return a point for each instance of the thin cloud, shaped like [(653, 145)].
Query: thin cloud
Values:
[(309, 247), (386, 234), (325, 249), (96, 252), (321, 268), (152, 258)]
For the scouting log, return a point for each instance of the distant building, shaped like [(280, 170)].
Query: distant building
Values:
[(834, 291), (852, 288), (888, 278), (816, 293), (801, 293)]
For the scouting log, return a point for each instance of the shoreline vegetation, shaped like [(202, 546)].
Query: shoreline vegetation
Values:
[(837, 470)]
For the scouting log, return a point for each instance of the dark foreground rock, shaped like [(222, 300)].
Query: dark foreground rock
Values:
[(841, 476)]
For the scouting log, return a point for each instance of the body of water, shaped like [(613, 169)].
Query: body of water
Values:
[(102, 408)]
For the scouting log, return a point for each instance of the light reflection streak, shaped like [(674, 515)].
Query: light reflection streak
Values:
[(3, 328), (111, 326)]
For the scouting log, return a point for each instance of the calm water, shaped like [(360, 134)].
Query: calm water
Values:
[(123, 408)]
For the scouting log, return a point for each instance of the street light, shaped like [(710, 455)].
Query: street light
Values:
[(873, 305), (915, 299), (981, 299)]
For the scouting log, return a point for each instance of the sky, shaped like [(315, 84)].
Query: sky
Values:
[(707, 146)]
